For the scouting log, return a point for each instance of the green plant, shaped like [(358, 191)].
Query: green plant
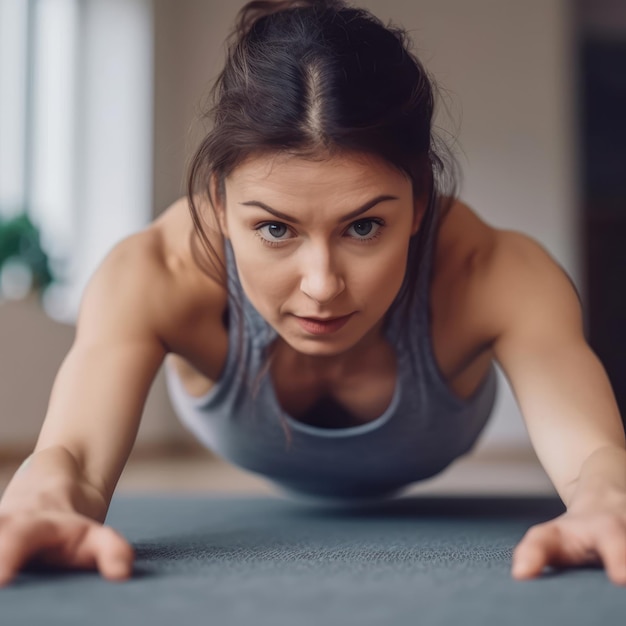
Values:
[(20, 241)]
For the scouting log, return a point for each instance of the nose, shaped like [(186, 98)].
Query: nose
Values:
[(320, 279)]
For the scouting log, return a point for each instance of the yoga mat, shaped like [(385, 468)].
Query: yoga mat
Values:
[(271, 561)]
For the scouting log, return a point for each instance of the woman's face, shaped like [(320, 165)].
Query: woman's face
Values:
[(320, 239)]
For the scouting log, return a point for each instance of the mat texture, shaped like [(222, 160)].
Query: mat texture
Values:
[(267, 560)]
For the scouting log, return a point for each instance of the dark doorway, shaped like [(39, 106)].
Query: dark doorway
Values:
[(602, 98)]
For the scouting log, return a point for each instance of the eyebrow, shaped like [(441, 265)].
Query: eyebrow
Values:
[(288, 218)]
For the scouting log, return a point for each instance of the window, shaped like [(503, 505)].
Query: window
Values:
[(13, 89), (76, 92)]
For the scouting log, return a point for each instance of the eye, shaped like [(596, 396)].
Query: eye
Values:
[(272, 231), (367, 229)]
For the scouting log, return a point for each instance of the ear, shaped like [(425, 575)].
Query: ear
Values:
[(219, 205)]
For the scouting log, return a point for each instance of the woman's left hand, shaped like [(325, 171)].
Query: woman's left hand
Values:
[(586, 535)]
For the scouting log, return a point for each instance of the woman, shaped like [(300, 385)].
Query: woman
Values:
[(330, 313)]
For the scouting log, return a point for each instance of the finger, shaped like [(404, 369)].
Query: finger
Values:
[(90, 545), (539, 547), (80, 543), (20, 540), (114, 556), (611, 547)]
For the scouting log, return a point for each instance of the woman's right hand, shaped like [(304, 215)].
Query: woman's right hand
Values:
[(62, 539)]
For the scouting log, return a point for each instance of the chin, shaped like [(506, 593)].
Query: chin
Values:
[(321, 346)]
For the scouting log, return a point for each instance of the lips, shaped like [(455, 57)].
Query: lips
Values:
[(322, 326), (322, 319)]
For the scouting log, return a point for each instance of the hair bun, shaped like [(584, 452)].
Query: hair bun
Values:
[(253, 11)]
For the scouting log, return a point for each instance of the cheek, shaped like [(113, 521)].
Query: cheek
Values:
[(390, 264), (382, 277), (265, 284)]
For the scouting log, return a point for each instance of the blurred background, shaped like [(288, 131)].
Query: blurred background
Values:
[(100, 103)]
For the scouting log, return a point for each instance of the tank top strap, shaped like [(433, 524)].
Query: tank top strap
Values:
[(258, 331), (419, 316)]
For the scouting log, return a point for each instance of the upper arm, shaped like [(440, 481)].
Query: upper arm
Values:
[(560, 385), (99, 392)]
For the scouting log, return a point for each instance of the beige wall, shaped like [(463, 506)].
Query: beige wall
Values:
[(188, 56), (507, 67), (31, 349)]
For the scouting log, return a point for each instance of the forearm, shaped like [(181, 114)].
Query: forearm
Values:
[(602, 477), (51, 479)]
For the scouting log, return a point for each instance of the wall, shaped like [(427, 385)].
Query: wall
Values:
[(506, 67)]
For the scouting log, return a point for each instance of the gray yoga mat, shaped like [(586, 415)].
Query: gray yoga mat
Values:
[(268, 560)]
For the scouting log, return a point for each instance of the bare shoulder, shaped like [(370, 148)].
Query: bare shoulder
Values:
[(191, 320), (465, 245), (174, 230), (155, 282), (486, 274), (121, 295), (540, 282), (511, 279)]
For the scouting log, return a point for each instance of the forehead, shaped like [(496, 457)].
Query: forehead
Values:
[(336, 173)]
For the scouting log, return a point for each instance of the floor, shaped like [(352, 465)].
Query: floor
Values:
[(201, 473)]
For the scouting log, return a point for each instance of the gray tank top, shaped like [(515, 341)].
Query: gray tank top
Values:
[(425, 427)]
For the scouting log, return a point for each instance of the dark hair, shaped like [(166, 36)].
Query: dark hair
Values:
[(332, 79)]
